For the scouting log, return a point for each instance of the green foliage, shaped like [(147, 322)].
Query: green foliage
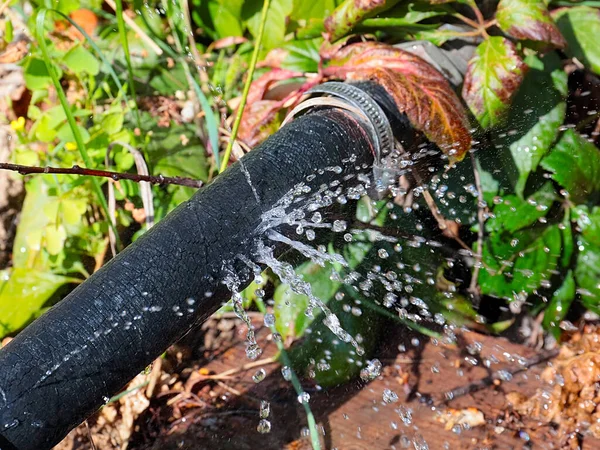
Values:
[(580, 26), (582, 159)]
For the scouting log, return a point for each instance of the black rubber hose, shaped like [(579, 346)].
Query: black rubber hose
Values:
[(62, 367)]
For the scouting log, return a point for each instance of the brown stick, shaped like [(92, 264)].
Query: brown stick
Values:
[(76, 170)]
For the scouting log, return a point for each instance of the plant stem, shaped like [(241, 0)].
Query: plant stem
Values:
[(481, 220), (125, 44), (285, 359), (240, 111), (40, 31)]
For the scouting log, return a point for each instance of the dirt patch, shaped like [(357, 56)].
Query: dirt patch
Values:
[(445, 396)]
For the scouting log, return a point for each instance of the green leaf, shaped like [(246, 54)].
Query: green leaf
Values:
[(406, 15), (587, 274), (528, 20), (112, 123), (226, 17), (515, 213), (67, 6), (333, 360), (30, 221), (36, 74), (493, 76), (54, 238), (438, 37), (79, 60), (589, 223), (580, 25), (305, 10), (533, 124), (559, 305), (23, 293), (575, 165), (301, 56), (517, 264), (275, 25), (73, 210)]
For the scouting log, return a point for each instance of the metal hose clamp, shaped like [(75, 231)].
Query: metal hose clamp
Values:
[(359, 102)]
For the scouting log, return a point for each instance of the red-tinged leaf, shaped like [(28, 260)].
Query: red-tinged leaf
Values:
[(529, 20), (493, 77), (420, 91), (350, 13), (261, 119), (260, 86), (264, 107)]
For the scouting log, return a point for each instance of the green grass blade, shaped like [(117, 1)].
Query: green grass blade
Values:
[(40, 21), (125, 44), (240, 112)]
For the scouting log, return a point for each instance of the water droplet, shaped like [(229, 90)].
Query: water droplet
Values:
[(269, 320), (372, 370), (265, 409), (286, 372), (259, 375), (264, 426), (389, 396), (304, 397)]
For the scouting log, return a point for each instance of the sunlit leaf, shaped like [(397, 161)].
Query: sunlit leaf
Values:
[(54, 238), (79, 60), (580, 25), (22, 293), (275, 25), (528, 19), (575, 164), (226, 17), (493, 77), (31, 222), (420, 91), (306, 10), (296, 56), (351, 12)]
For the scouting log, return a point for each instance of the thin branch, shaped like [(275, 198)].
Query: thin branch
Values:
[(76, 170), (478, 14), (473, 289), (466, 20)]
